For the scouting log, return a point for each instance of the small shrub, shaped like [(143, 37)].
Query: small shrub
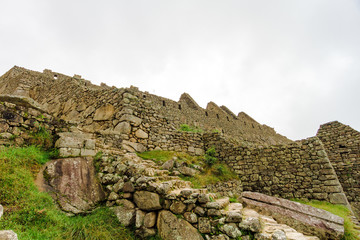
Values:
[(210, 158)]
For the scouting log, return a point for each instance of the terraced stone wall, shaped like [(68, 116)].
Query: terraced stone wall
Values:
[(298, 170), (342, 144)]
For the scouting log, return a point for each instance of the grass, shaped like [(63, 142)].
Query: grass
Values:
[(33, 214), (211, 173), (339, 210), (187, 128)]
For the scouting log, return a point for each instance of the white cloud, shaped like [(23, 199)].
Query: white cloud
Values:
[(289, 64)]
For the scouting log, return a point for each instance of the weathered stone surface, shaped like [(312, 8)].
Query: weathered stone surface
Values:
[(141, 134), (203, 198), (170, 227), (302, 217), (187, 171), (123, 128), (125, 215), (190, 217), (252, 224), (233, 217), (144, 233), (220, 237), (204, 225), (132, 119), (139, 218), (148, 201), (74, 184), (232, 230), (150, 219), (125, 203), (128, 187), (199, 211), (178, 207), (278, 235), (131, 146), (8, 235), (168, 165), (1, 210), (104, 112)]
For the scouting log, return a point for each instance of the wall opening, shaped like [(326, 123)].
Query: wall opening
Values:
[(164, 103), (245, 123), (252, 125), (227, 118), (342, 146), (206, 114), (144, 96), (55, 76), (217, 115), (180, 106)]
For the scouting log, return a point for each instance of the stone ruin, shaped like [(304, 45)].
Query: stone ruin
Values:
[(86, 119)]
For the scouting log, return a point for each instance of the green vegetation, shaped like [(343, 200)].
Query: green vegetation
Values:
[(42, 137), (210, 158), (33, 214), (339, 210), (212, 172), (187, 128)]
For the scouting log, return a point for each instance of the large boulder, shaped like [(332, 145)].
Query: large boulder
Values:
[(171, 227), (74, 184), (304, 218)]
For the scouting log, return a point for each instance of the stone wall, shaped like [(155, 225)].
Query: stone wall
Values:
[(298, 170), (24, 123), (342, 144), (77, 100)]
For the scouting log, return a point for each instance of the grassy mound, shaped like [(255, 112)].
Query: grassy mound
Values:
[(33, 214)]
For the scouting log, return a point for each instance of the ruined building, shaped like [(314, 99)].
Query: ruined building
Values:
[(120, 120)]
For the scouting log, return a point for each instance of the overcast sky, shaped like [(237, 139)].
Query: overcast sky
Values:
[(292, 65)]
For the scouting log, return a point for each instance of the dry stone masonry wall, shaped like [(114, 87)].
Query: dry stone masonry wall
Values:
[(298, 170), (342, 144)]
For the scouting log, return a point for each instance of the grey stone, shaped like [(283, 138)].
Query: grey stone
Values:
[(177, 207), (145, 233), (203, 198), (190, 217), (141, 134), (113, 196), (104, 112), (278, 235), (233, 217), (128, 187), (139, 218), (125, 203), (213, 212), (232, 230), (171, 227), (123, 128), (338, 198), (1, 210), (150, 219), (168, 165), (187, 171), (132, 119), (204, 225), (221, 237), (199, 211), (252, 224), (125, 215), (148, 201), (74, 183), (8, 235), (310, 220)]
